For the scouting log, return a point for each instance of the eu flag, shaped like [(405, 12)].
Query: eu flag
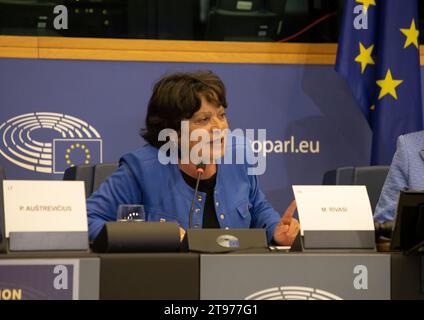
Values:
[(378, 55), (72, 152)]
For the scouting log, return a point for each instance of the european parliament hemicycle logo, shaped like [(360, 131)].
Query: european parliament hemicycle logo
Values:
[(292, 293), (49, 142)]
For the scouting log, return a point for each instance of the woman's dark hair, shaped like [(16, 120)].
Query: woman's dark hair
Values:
[(176, 97)]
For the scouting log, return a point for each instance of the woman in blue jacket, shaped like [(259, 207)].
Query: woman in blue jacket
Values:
[(406, 172), (228, 196)]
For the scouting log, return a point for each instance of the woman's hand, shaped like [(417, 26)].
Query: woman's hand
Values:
[(288, 227)]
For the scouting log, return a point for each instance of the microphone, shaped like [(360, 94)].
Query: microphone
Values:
[(200, 170)]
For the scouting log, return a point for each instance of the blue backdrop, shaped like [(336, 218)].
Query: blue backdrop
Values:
[(308, 102)]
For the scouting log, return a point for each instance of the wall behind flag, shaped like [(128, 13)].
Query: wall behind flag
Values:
[(313, 124)]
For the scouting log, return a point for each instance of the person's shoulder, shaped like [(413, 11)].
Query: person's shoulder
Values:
[(143, 155), (413, 139)]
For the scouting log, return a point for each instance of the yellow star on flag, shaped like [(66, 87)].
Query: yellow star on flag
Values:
[(388, 85), (366, 3), (364, 57), (411, 35)]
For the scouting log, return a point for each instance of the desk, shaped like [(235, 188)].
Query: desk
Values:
[(194, 276), (170, 276)]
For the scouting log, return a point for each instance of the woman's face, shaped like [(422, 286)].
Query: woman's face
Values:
[(210, 117)]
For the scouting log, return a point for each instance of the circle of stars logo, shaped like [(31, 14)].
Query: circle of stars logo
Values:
[(77, 147)]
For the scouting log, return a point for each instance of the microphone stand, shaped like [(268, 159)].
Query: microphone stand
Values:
[(200, 170)]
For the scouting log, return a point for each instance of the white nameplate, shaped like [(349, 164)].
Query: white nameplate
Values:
[(333, 208), (44, 206)]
